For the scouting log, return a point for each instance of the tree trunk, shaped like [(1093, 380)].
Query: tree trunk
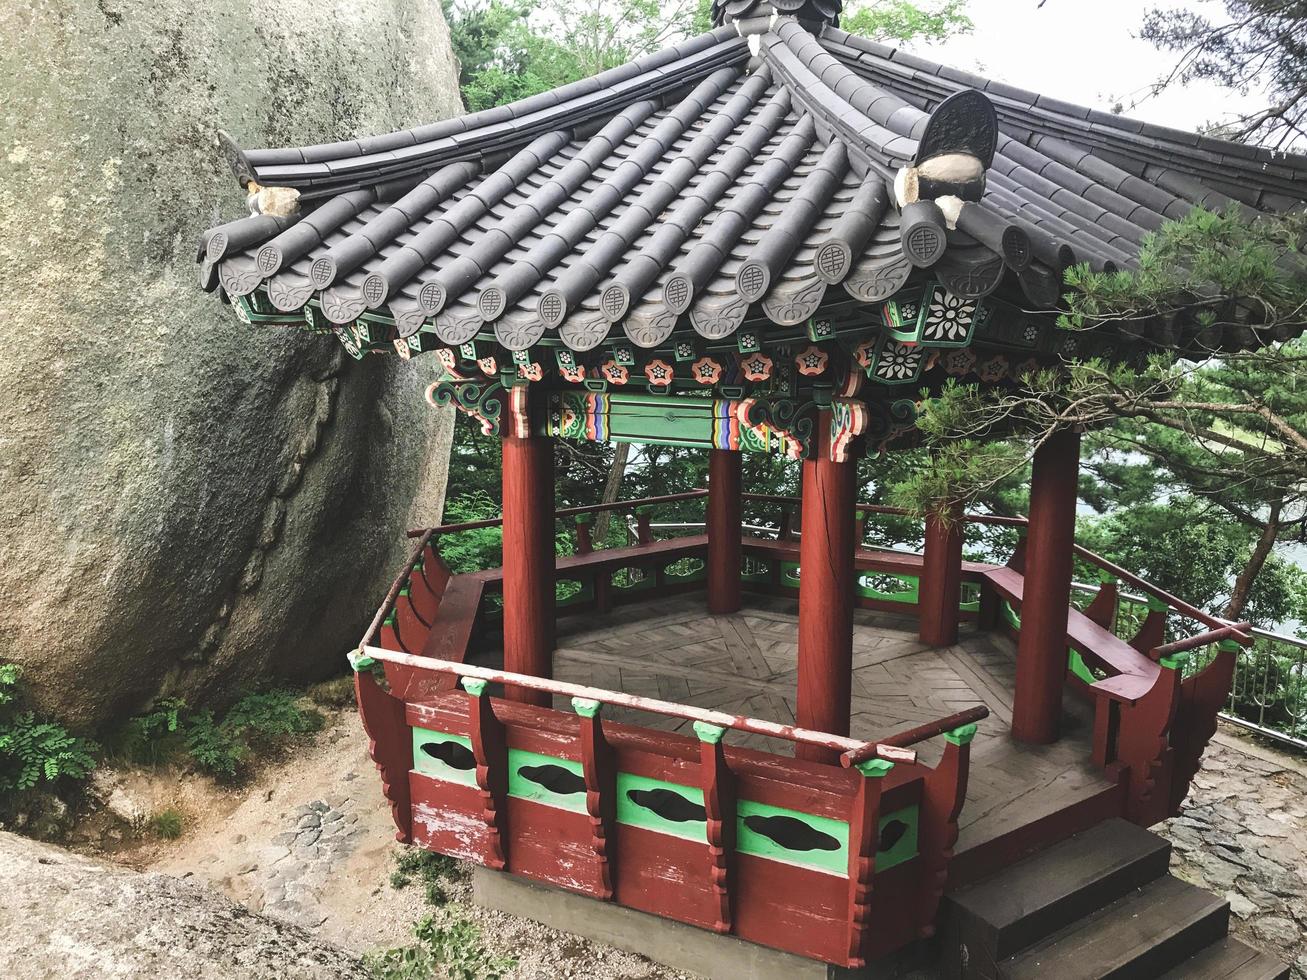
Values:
[(613, 487), (1243, 585)]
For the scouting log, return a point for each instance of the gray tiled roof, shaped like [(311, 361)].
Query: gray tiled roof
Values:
[(715, 179)]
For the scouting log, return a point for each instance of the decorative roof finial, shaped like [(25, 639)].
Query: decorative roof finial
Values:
[(821, 11)]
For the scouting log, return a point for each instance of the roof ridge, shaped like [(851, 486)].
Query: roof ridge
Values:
[(1126, 125)]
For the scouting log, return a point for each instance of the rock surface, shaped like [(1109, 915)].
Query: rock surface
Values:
[(188, 503), (1243, 834), (67, 916)]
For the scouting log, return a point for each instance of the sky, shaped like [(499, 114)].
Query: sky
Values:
[(1085, 52)]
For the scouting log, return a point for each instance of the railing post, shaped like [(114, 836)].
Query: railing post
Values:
[(1103, 609), (584, 540), (1152, 632), (1143, 745), (490, 750), (940, 595), (725, 547), (719, 802), (643, 533), (942, 796), (390, 742), (864, 836), (599, 769), (1201, 698)]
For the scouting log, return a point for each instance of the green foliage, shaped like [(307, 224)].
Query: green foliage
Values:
[(338, 692), (1211, 265), (168, 823), (1254, 45), (510, 49), (431, 869), (264, 721), (898, 21), (451, 946), (35, 750), (151, 737), (212, 748)]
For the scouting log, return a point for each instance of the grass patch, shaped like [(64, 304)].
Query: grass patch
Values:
[(335, 693), (263, 723), (430, 869), (449, 946), (168, 823)]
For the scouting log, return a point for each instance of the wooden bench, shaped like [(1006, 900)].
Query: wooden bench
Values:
[(1134, 674), (864, 559)]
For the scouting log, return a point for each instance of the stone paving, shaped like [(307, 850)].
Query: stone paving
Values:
[(1243, 834), (298, 864)]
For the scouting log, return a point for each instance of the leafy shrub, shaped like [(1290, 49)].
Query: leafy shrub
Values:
[(212, 748), (151, 737), (429, 867), (266, 721), (168, 823), (451, 947), (33, 749)]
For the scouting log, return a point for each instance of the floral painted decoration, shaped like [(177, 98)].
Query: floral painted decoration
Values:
[(948, 318), (865, 353), (574, 374), (614, 373), (706, 371), (488, 365), (756, 367), (659, 373), (811, 361), (899, 362), (531, 372)]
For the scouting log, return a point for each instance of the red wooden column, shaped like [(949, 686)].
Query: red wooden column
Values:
[(940, 592), (1046, 596), (724, 544), (528, 483), (825, 594)]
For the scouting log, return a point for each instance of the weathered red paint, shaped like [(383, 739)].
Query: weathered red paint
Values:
[(1041, 649), (528, 483), (724, 534), (941, 578), (825, 595)]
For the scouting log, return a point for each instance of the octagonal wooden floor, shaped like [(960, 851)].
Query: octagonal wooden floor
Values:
[(745, 663)]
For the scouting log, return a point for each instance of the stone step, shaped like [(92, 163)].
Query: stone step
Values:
[(1138, 937), (995, 918), (1229, 959)]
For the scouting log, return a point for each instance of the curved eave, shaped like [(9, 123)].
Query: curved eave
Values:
[(746, 175)]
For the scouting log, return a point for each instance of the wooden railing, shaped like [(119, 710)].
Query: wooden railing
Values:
[(1131, 688), (729, 839)]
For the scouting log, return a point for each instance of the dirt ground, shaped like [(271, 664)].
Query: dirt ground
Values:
[(310, 839), (250, 843)]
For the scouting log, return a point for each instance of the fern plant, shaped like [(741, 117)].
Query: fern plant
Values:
[(34, 750)]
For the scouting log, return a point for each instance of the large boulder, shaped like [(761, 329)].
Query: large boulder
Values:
[(189, 504), (70, 917)]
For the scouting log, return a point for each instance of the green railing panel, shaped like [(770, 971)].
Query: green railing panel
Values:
[(897, 837), (443, 756), (879, 585), (792, 837), (546, 779), (663, 807)]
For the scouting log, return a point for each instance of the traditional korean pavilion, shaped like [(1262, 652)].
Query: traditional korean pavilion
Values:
[(773, 238)]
